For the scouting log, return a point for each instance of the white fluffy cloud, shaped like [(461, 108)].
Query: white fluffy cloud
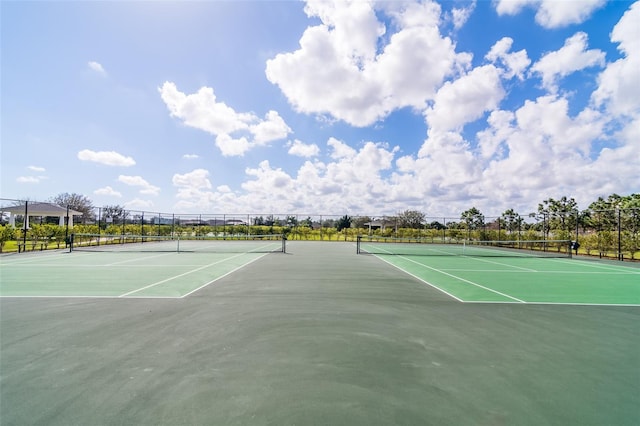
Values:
[(32, 179), (519, 151), (108, 158), (552, 13), (107, 190), (460, 16), (145, 187), (514, 63), (619, 90), (198, 178), (466, 99), (354, 178), (301, 149), (97, 68), (138, 204), (28, 179), (346, 68), (235, 132), (573, 56)]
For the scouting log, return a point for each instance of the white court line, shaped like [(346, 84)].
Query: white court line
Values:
[(93, 266), (595, 265), (182, 275), (541, 272), (489, 302), (135, 259), (222, 276), (35, 258), (501, 264), (464, 280), (455, 277), (420, 279), (93, 296)]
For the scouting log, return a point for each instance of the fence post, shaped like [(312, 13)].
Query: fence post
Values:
[(620, 235)]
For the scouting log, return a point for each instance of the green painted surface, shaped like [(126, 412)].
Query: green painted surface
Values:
[(525, 280), (317, 336), (116, 274)]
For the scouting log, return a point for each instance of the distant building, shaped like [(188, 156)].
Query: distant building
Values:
[(40, 210)]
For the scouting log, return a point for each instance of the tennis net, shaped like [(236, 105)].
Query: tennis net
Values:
[(434, 247), (274, 243)]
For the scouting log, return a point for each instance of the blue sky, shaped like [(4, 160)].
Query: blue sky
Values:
[(321, 107)]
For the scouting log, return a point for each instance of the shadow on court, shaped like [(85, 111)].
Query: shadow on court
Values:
[(316, 336)]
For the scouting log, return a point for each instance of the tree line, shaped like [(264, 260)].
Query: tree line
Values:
[(608, 224)]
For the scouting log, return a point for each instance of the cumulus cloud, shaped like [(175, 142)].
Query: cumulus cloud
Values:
[(340, 149), (108, 158), (618, 88), (108, 191), (354, 179), (232, 147), (552, 13), (190, 156), (236, 132), (466, 99), (514, 153), (201, 110), (572, 57), (28, 179), (198, 178), (32, 179), (537, 148), (145, 187), (354, 68), (460, 16), (300, 149), (270, 129), (138, 204), (514, 63), (97, 68)]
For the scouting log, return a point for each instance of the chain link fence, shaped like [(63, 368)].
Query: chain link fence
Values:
[(611, 234)]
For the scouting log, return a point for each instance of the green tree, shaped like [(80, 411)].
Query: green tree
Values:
[(436, 225), (307, 223), (7, 233), (473, 219), (512, 221), (561, 214), (292, 221), (343, 223)]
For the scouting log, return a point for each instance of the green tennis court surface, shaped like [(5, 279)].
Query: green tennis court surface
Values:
[(319, 335), (116, 274), (524, 279), (466, 277)]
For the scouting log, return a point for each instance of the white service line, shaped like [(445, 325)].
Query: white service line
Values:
[(421, 279), (464, 280), (222, 276), (180, 275), (501, 264), (591, 264)]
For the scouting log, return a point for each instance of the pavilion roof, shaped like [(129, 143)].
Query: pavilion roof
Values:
[(41, 209)]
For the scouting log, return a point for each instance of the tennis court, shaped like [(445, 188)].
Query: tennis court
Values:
[(507, 274), (316, 335), (138, 268)]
